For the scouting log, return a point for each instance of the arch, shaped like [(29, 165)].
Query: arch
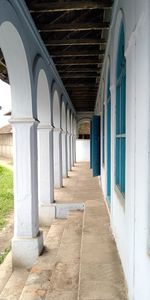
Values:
[(83, 128), (68, 120), (55, 105), (18, 65), (41, 77), (56, 110), (43, 99), (63, 114), (71, 123)]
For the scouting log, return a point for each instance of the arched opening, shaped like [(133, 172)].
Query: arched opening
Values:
[(26, 224), (57, 142), (64, 140), (83, 140), (45, 150), (83, 130), (69, 138)]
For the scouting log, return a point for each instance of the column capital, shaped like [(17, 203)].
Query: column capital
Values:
[(57, 129), (23, 121), (63, 131), (45, 126)]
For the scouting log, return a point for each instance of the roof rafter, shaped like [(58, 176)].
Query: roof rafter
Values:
[(75, 42), (50, 6), (73, 26)]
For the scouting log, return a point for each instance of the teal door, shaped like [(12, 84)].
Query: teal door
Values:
[(109, 151), (108, 142), (95, 151)]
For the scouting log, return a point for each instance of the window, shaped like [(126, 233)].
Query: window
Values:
[(120, 113)]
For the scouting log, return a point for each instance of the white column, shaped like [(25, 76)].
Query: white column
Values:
[(69, 150), (45, 174), (27, 242), (72, 161), (57, 148), (74, 149), (64, 154)]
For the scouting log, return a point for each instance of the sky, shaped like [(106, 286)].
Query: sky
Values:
[(5, 102)]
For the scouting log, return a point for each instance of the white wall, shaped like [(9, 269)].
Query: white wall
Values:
[(130, 218), (82, 150)]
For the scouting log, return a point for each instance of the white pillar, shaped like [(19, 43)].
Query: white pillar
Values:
[(64, 155), (74, 149), (57, 150), (45, 175), (69, 150), (27, 242), (72, 161)]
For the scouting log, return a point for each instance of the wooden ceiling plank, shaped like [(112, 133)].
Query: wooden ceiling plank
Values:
[(75, 42), (76, 53), (73, 26), (48, 7)]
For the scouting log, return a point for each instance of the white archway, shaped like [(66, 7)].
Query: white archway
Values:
[(64, 140), (45, 151), (69, 138), (57, 142), (27, 243)]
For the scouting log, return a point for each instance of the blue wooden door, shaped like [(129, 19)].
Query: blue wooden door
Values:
[(91, 144), (96, 145), (109, 151)]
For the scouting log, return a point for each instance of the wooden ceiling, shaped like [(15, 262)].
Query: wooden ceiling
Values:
[(75, 33)]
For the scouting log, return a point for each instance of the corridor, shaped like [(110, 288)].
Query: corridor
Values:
[(80, 260)]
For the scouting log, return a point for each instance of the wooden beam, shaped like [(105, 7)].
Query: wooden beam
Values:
[(85, 98), (84, 88), (75, 42), (78, 62), (83, 70), (81, 85), (79, 75), (77, 53), (47, 7), (73, 63), (73, 26)]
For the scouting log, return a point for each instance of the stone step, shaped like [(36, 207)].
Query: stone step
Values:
[(38, 280), (14, 285), (5, 271), (65, 275), (100, 276)]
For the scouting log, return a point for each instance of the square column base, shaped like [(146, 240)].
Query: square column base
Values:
[(26, 250), (46, 215)]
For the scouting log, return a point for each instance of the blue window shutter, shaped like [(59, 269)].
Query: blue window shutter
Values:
[(96, 145), (121, 113), (91, 144)]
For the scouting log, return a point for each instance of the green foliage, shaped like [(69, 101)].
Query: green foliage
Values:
[(6, 194), (3, 255)]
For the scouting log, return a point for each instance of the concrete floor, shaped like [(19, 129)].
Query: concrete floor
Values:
[(80, 260), (101, 276), (80, 186)]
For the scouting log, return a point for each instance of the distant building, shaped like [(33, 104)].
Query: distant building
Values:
[(6, 141)]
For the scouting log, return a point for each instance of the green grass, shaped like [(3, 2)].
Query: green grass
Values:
[(6, 194), (4, 254)]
